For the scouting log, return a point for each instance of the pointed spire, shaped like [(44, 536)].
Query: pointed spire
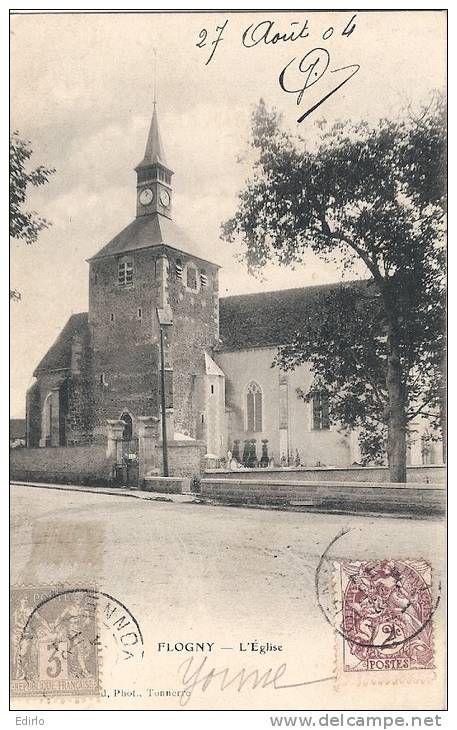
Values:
[(154, 153)]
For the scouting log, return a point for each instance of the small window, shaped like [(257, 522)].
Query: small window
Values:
[(178, 269), (103, 379), (112, 316), (212, 390), (125, 273), (191, 277), (140, 313), (203, 278), (203, 418), (321, 420)]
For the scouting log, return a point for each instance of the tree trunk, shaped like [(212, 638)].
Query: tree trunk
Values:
[(396, 435)]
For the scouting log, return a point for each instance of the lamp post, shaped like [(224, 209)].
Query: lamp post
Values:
[(165, 320)]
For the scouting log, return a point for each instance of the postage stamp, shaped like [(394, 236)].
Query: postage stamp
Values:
[(54, 642), (60, 635), (386, 615)]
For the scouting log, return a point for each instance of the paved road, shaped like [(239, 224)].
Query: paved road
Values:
[(192, 572)]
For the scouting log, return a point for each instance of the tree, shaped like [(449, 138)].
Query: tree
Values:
[(25, 225), (365, 193)]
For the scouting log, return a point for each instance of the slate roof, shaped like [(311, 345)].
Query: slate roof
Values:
[(211, 368), (154, 153), (263, 319), (17, 428), (59, 354), (269, 319), (150, 231)]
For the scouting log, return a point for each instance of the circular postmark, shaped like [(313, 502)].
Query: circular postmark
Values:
[(60, 636), (382, 609)]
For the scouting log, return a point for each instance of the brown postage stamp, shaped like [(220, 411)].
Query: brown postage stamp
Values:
[(386, 615)]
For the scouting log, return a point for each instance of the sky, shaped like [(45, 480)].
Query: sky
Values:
[(82, 92)]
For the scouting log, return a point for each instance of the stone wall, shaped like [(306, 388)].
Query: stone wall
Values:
[(125, 334), (166, 485), (195, 329), (424, 474), (124, 337), (80, 415), (89, 464), (33, 415), (185, 458), (71, 391), (62, 465), (420, 499)]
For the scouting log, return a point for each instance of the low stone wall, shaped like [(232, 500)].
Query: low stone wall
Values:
[(166, 485), (414, 498), (377, 474), (62, 465), (89, 465), (185, 458)]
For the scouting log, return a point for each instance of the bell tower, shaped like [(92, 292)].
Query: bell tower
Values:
[(153, 186)]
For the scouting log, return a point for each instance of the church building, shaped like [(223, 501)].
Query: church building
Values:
[(147, 288)]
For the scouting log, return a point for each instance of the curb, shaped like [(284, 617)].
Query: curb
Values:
[(115, 492)]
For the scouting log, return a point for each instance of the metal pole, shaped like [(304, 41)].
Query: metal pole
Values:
[(164, 415)]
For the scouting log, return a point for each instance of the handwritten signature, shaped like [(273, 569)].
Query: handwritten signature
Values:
[(201, 675), (313, 66)]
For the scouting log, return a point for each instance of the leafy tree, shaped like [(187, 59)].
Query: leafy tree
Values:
[(372, 194), (25, 224)]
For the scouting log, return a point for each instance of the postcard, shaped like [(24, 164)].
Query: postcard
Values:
[(228, 383)]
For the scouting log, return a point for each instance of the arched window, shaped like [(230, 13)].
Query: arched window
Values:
[(427, 448), (128, 428), (254, 407), (46, 421)]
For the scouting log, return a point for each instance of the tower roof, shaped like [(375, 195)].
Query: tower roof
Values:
[(149, 232), (154, 153)]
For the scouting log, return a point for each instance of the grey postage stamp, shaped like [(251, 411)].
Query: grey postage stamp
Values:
[(55, 642)]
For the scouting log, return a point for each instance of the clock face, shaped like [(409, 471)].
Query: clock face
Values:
[(165, 198), (146, 196)]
